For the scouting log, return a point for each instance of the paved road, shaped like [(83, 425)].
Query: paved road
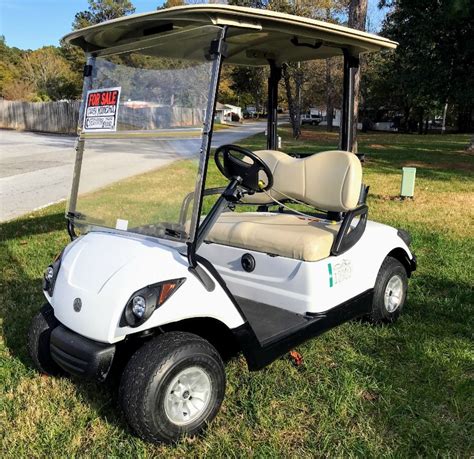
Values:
[(36, 169)]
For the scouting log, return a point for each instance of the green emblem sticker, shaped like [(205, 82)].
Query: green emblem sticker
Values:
[(340, 272)]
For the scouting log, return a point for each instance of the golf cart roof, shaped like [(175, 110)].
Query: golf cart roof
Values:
[(255, 36)]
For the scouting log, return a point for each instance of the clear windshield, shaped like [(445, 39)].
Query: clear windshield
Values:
[(139, 149)]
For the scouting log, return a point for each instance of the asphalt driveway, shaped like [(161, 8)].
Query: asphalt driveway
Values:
[(36, 169)]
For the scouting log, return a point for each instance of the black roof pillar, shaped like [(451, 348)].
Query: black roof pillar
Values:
[(351, 66), (272, 127)]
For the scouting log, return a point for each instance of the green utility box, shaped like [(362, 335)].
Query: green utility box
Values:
[(408, 182)]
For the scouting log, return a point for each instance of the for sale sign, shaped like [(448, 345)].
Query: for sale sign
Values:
[(101, 110)]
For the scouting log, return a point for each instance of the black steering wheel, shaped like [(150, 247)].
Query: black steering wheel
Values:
[(234, 167)]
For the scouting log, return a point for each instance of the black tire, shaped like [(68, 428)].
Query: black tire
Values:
[(39, 336), (391, 268), (148, 377)]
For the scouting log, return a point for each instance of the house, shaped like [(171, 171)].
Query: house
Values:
[(224, 112)]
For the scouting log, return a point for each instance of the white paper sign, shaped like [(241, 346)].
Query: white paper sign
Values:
[(121, 224), (101, 110)]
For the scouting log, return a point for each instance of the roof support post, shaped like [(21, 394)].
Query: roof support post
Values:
[(272, 124), (351, 66), (86, 86), (217, 54)]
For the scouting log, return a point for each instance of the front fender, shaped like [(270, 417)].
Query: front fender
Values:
[(105, 269)]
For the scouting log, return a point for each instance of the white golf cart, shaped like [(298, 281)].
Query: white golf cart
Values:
[(175, 272)]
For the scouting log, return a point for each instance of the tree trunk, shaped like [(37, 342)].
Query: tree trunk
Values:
[(293, 101), (445, 111), (330, 95), (470, 147), (405, 123), (420, 121), (357, 20)]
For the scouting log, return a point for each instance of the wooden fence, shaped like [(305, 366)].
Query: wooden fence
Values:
[(62, 117)]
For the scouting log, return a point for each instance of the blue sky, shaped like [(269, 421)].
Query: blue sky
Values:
[(30, 24)]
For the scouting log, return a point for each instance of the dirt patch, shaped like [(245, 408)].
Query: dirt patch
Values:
[(443, 165), (377, 146), (383, 197), (318, 136)]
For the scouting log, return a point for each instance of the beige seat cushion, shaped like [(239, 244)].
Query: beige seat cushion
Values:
[(292, 236), (330, 180)]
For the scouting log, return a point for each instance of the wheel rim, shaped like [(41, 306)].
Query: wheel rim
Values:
[(393, 293), (188, 396)]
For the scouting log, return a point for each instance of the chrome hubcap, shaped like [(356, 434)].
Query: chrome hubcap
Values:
[(188, 396), (393, 293)]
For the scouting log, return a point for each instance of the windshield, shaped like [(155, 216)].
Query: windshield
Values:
[(138, 153)]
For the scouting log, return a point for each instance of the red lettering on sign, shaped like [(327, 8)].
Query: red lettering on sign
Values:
[(94, 99), (102, 98), (108, 98)]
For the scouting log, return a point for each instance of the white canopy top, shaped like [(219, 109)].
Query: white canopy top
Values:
[(255, 35)]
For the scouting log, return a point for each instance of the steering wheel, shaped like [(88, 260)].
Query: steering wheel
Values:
[(234, 167)]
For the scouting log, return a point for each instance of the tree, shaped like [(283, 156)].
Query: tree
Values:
[(9, 61), (250, 3), (43, 74), (102, 10), (249, 83), (357, 20), (98, 11), (293, 73), (470, 147), (434, 63), (48, 73), (330, 90), (332, 11), (171, 4)]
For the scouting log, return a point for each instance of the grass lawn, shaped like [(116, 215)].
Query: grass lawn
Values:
[(405, 390)]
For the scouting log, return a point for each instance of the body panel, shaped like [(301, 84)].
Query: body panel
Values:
[(307, 287), (105, 269)]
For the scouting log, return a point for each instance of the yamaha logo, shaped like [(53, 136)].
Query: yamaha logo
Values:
[(77, 304)]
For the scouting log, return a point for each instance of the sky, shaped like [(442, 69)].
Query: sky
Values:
[(31, 24)]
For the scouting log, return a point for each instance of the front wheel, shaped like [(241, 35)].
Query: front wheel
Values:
[(38, 341), (172, 386), (390, 292)]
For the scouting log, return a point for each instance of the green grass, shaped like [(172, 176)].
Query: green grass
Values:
[(402, 391)]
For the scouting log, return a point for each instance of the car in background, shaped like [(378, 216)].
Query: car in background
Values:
[(311, 119)]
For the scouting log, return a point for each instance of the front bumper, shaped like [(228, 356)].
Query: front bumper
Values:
[(79, 355)]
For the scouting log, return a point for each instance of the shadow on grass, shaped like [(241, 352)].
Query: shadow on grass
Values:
[(420, 366), (407, 366), (23, 296)]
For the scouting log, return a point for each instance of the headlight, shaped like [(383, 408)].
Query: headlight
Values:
[(50, 275), (138, 306), (145, 301)]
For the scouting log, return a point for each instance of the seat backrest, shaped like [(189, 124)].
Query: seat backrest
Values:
[(330, 180)]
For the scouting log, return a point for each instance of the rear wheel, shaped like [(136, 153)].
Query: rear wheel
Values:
[(38, 341), (390, 292), (173, 386)]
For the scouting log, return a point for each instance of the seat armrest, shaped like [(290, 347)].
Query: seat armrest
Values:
[(347, 238)]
